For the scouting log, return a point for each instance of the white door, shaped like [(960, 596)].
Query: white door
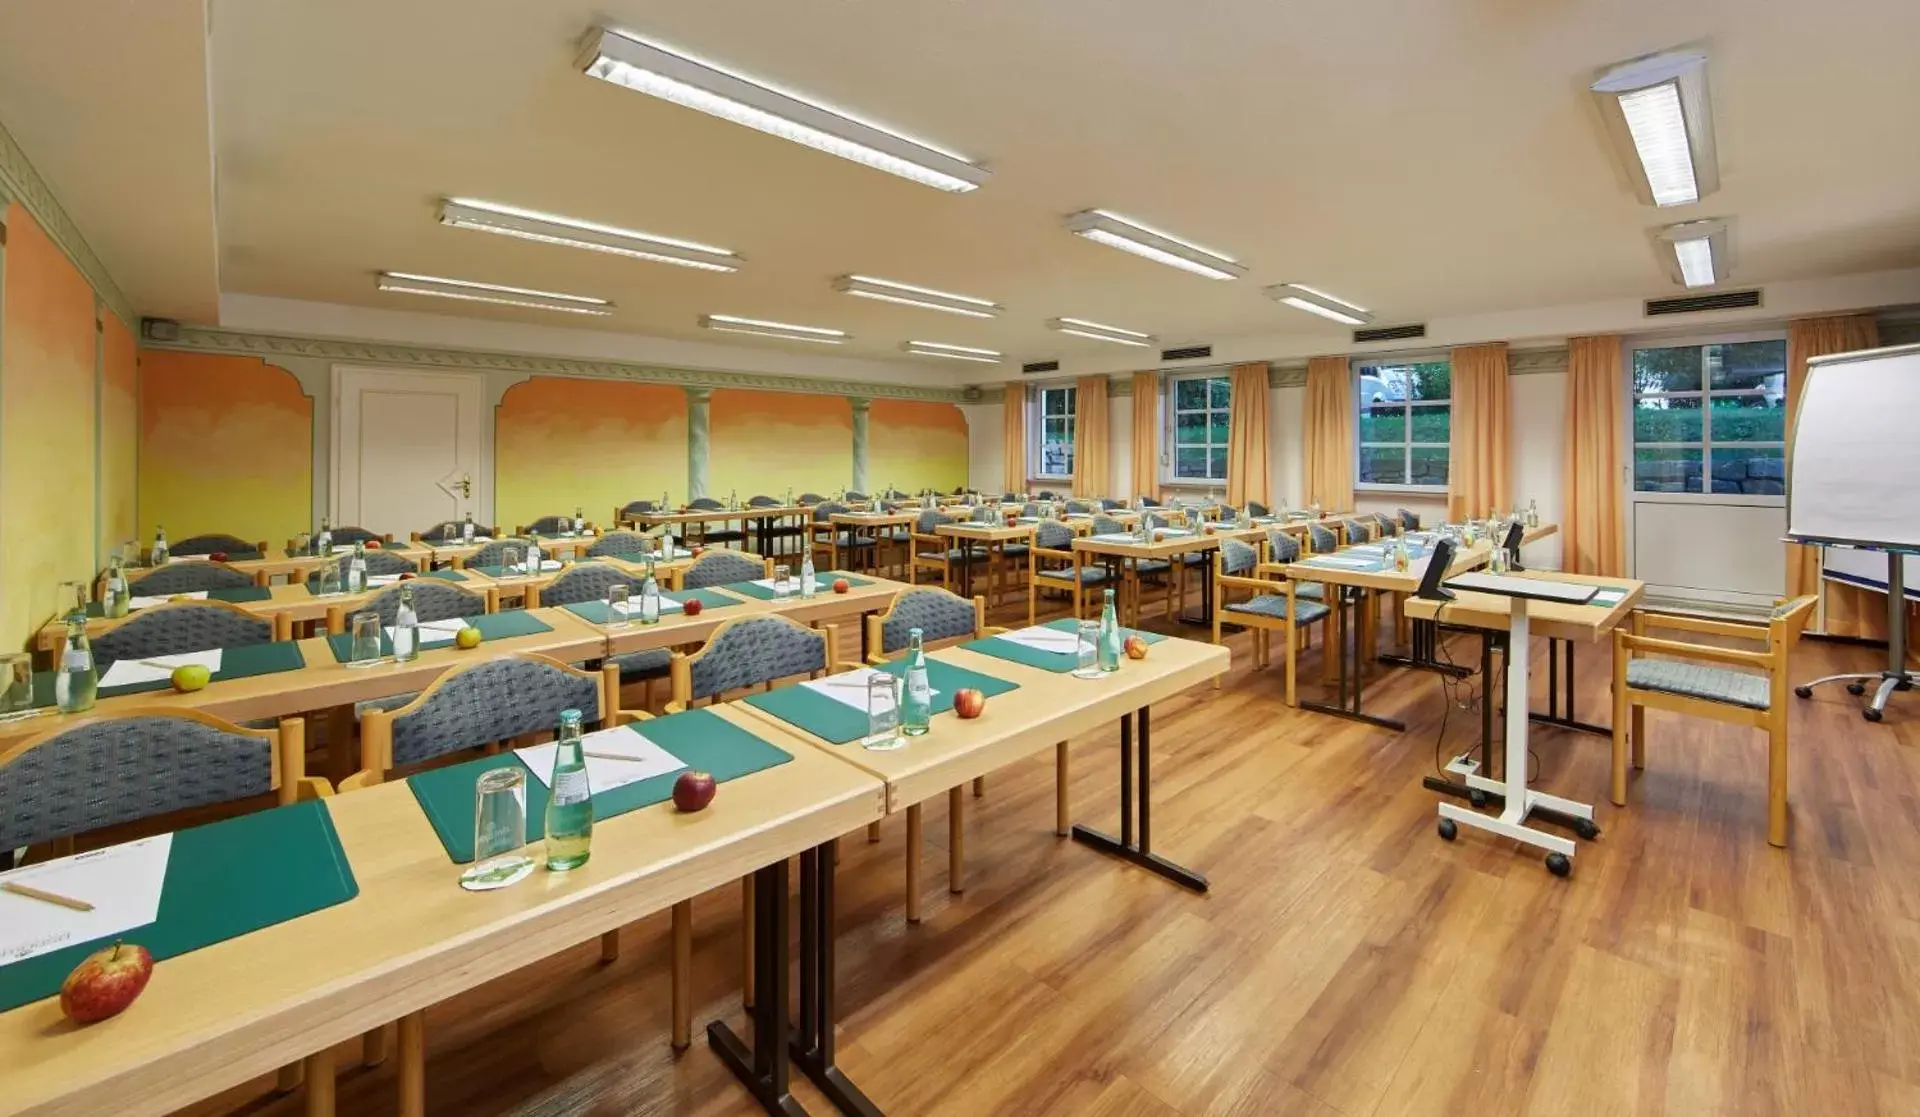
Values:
[(410, 449)]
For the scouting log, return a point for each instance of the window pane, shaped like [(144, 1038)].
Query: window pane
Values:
[(1749, 364), (1747, 419), (1059, 401), (1189, 395), (1191, 461), (1431, 380), (1666, 470), (1218, 464), (1222, 391), (1432, 423), (1381, 384), (1670, 369), (1386, 422), (1383, 465), (1429, 465), (1667, 420), (1190, 427), (1749, 470)]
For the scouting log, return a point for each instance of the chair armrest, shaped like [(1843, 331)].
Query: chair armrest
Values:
[(1250, 583), (1685, 623), (628, 717), (676, 708), (1694, 651), (837, 668), (360, 779), (311, 788), (993, 630)]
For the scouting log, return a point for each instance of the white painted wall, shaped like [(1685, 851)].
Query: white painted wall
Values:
[(986, 430), (1120, 447)]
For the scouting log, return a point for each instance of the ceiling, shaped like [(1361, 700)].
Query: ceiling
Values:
[(1421, 159)]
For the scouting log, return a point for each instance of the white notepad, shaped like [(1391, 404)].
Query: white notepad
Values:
[(135, 604), (642, 759), (1044, 639), (849, 688), (122, 883), (157, 668)]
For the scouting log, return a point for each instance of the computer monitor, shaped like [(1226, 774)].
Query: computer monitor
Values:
[(1437, 563), (1512, 545)]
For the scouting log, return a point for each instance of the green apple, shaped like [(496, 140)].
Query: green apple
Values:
[(189, 677)]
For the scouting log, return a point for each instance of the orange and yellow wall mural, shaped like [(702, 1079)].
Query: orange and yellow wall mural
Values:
[(763, 443), (914, 445), (226, 445), (561, 443), (48, 434)]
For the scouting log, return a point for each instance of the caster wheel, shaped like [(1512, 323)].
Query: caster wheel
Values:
[(1559, 864), (1856, 689), (1586, 829), (1449, 829), (1870, 714), (1477, 797), (1803, 691)]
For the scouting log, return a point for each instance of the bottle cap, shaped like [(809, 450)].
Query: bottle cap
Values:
[(569, 717)]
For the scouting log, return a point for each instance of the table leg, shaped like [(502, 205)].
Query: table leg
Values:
[(813, 1037), (1346, 605), (966, 567), (763, 1069), (1125, 847), (1423, 652), (1560, 692)]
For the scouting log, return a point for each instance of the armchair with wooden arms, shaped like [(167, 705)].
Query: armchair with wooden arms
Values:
[(1703, 681), (1052, 563), (1274, 606)]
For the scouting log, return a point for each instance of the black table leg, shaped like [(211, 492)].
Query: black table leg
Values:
[(813, 1036), (966, 567), (763, 1069), (1125, 846), (1424, 655), (1560, 692), (1346, 600)]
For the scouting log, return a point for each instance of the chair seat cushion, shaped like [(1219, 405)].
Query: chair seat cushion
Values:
[(1017, 550), (1091, 575), (1693, 680), (723, 536), (1146, 567), (1275, 606), (1314, 591), (900, 536), (643, 665), (848, 539), (954, 554)]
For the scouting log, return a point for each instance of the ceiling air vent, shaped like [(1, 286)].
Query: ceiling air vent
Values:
[(1189, 353), (1040, 366), (1390, 333), (1694, 304)]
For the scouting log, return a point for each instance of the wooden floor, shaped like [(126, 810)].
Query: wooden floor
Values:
[(1347, 962)]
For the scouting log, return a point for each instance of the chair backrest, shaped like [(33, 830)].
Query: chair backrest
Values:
[(1228, 512), (189, 577), (468, 707), (547, 525), (187, 626), (1079, 507), (141, 764), (635, 507), (1238, 557), (344, 535), (1385, 524), (587, 581), (1054, 536), (618, 543), (495, 553), (451, 529), (1004, 497), (938, 614), (1046, 494), (1282, 547), (378, 562), (925, 522), (1408, 520), (717, 568), (825, 509), (762, 502), (433, 600), (1358, 531), (1258, 510), (851, 495), (1321, 539), (1108, 504), (1030, 508), (810, 498), (1149, 502), (1155, 520), (211, 544), (704, 504), (748, 652), (1107, 525), (986, 515)]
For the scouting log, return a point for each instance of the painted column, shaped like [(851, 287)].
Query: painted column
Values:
[(697, 401), (860, 409)]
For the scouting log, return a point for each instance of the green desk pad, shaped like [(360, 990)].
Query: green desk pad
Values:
[(595, 612), (492, 626), (313, 584), (702, 739), (223, 880), (236, 595), (840, 723), (1058, 662), (238, 662), (765, 594)]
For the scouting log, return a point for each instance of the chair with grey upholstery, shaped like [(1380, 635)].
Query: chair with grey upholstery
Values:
[(378, 563), (932, 551), (473, 706), (1079, 507), (855, 495), (749, 652), (548, 525), (1226, 512), (1258, 510), (712, 533), (1053, 564), (1409, 520), (189, 577), (1005, 498), (213, 544), (589, 581), (619, 544), (448, 531), (1108, 504), (719, 568), (825, 535), (1358, 530), (1282, 549), (433, 600), (1383, 525), (495, 553), (941, 617), (1321, 539), (185, 626), (1274, 606), (1107, 525), (343, 536), (633, 508), (809, 498)]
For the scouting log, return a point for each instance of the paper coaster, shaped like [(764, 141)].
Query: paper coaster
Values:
[(497, 873)]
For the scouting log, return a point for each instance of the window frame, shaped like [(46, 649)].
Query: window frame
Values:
[(1168, 399), (1037, 426), (1354, 367), (1629, 345)]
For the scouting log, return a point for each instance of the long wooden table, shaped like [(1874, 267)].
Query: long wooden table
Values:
[(993, 537)]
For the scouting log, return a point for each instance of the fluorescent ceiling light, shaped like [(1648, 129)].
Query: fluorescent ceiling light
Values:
[(786, 331), (1080, 327), (1661, 120), (526, 224), (1128, 235), (951, 352), (619, 58), (408, 284), (1302, 297), (886, 290), (1696, 252)]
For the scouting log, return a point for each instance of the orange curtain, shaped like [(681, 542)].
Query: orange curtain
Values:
[(1594, 528), (1146, 436), (1851, 610), (1090, 443), (1014, 431), (1478, 470), (1247, 436), (1329, 430)]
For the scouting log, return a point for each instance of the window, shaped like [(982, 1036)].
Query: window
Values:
[(1198, 416), (1405, 422), (1710, 417), (1052, 434)]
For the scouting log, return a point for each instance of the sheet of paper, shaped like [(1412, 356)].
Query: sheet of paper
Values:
[(435, 633), (122, 883), (1171, 532), (342, 548), (171, 559), (1342, 562), (848, 688), (155, 668), (641, 759), (632, 610), (1044, 639), (793, 584), (1116, 537), (135, 604), (382, 579)]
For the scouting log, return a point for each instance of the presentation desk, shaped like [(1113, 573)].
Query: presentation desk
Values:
[(219, 1016)]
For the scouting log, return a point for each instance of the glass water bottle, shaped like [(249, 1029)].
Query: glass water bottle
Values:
[(916, 710), (569, 821), (74, 687), (1109, 635)]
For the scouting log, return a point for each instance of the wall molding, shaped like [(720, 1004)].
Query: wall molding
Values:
[(21, 183), (211, 339)]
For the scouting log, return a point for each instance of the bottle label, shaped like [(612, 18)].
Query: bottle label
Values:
[(77, 659), (403, 638), (569, 788)]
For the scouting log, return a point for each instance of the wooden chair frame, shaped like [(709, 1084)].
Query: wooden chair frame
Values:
[(876, 622), (1261, 627), (1080, 588), (385, 540), (1779, 634), (680, 668), (281, 622)]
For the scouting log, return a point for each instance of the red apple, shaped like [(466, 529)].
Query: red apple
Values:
[(373, 544), (408, 576), (218, 556), (691, 606), (1136, 647), (840, 585), (693, 791), (969, 703), (105, 983)]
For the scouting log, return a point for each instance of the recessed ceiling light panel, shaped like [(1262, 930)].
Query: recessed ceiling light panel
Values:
[(906, 294), (407, 283), (1695, 252), (951, 352), (786, 331), (525, 224), (1661, 121), (1302, 297), (1080, 327), (1128, 235)]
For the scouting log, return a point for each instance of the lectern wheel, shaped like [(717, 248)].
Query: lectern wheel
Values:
[(1585, 828), (1449, 830), (1856, 689), (1870, 714), (1559, 864), (1477, 797), (1803, 691)]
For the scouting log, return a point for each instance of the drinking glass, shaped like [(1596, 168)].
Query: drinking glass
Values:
[(781, 586), (366, 640), (70, 597), (510, 561), (883, 713), (1088, 651), (303, 544), (617, 595), (499, 813), (16, 682)]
